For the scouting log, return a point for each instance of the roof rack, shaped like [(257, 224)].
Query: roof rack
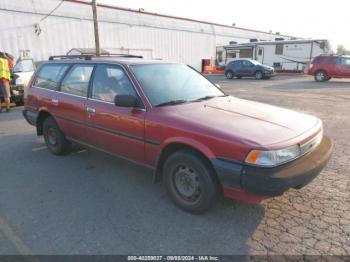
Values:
[(90, 56)]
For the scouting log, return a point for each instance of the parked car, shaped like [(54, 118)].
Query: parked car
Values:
[(325, 67), (21, 74), (169, 118), (248, 67)]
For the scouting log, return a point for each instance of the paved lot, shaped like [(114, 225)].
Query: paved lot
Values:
[(91, 203)]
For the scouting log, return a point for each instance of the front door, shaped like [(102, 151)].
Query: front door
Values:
[(344, 67), (118, 130)]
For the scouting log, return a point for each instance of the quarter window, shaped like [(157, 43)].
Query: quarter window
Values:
[(109, 81), (50, 75), (77, 80)]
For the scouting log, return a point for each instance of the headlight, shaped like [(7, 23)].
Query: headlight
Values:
[(273, 158), (19, 81)]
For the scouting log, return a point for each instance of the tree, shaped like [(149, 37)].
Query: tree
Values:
[(342, 51)]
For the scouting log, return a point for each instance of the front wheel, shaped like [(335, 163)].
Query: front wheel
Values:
[(259, 75), (229, 75), (54, 138), (321, 76), (190, 181)]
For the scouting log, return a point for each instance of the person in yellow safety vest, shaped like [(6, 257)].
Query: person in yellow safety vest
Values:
[(5, 76)]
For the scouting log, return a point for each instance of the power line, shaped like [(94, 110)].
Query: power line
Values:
[(53, 10)]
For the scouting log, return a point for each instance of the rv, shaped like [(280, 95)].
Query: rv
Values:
[(283, 55)]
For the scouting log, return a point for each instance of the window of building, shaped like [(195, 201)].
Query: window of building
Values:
[(77, 80), (260, 51), (109, 81), (50, 75), (279, 49)]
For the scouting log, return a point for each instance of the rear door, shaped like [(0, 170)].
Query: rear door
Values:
[(119, 130), (71, 100)]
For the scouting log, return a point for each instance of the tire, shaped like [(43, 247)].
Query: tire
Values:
[(190, 181), (19, 103), (321, 76), (259, 75), (229, 75), (54, 138)]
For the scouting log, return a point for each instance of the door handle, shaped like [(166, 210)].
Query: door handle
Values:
[(54, 101), (91, 110)]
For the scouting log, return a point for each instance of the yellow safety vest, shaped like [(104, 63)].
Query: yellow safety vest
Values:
[(4, 69)]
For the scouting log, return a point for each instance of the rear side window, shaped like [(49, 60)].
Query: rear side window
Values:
[(50, 75), (77, 80), (319, 60)]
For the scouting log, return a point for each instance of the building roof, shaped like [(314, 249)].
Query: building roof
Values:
[(172, 17)]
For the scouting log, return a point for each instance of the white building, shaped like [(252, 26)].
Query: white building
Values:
[(28, 29)]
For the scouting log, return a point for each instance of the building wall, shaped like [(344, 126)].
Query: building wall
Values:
[(70, 26)]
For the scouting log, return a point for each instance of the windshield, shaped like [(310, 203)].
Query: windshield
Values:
[(24, 66), (171, 83), (255, 62)]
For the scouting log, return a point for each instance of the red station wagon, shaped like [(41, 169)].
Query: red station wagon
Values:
[(324, 67), (167, 117)]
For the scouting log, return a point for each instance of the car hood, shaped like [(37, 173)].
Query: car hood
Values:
[(242, 120), (267, 67)]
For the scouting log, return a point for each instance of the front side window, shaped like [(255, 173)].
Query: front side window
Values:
[(109, 81), (77, 80), (246, 63), (50, 75), (345, 61), (166, 83)]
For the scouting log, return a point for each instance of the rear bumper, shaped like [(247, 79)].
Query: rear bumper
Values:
[(30, 116), (269, 182)]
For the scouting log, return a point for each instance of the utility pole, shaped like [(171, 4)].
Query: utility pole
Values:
[(97, 38)]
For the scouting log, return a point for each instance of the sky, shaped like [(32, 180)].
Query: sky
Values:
[(300, 18)]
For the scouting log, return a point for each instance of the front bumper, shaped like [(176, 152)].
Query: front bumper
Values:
[(274, 181)]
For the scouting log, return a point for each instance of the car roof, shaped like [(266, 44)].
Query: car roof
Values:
[(105, 59)]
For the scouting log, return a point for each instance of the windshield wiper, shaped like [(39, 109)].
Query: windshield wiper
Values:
[(206, 98), (172, 102)]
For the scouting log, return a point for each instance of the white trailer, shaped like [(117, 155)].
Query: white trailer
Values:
[(283, 55)]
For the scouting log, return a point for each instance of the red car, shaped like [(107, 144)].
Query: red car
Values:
[(325, 67), (167, 117)]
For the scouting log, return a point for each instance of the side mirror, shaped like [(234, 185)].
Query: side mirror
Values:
[(218, 86), (125, 100)]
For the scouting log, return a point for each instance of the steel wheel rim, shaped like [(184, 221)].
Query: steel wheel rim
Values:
[(187, 185), (258, 75), (320, 76), (229, 75), (52, 136)]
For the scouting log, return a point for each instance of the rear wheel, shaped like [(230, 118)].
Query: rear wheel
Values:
[(190, 182), (259, 75), (54, 138), (229, 74), (321, 76)]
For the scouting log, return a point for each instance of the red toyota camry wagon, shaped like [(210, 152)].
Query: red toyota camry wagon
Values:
[(200, 142)]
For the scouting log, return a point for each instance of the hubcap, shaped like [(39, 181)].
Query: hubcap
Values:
[(52, 136), (187, 183), (258, 75), (229, 75), (320, 76)]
